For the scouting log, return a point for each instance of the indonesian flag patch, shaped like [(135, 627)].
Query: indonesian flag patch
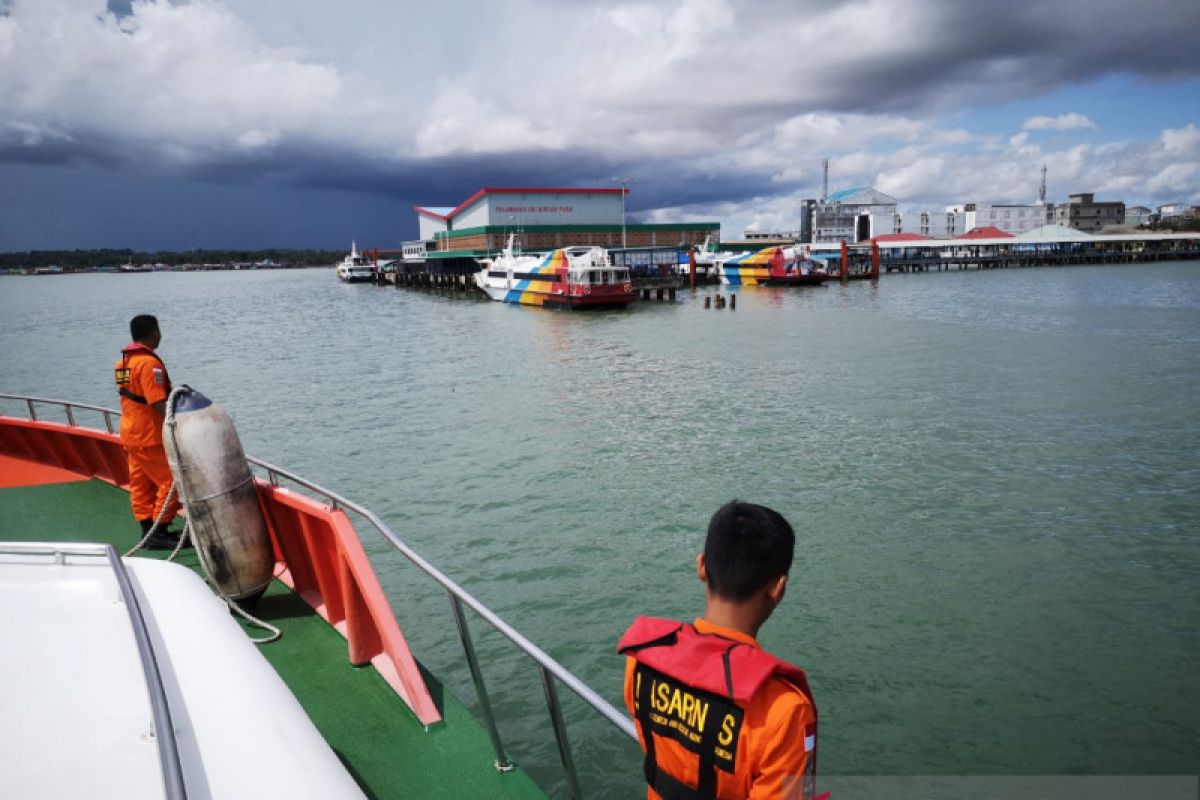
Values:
[(158, 375), (810, 737)]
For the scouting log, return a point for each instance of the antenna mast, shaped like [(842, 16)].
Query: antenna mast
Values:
[(1042, 187), (825, 181)]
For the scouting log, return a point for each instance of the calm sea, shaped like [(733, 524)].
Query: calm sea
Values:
[(994, 477)]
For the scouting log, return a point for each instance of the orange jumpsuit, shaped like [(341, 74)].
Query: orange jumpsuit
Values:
[(775, 747), (142, 381)]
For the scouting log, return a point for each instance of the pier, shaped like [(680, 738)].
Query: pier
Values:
[(936, 255)]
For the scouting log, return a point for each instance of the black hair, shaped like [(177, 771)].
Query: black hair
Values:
[(747, 547), (142, 326)]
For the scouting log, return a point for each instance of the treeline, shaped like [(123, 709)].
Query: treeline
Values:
[(87, 259), (1188, 223)]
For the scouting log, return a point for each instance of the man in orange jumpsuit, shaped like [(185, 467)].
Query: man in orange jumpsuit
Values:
[(717, 716), (144, 385)]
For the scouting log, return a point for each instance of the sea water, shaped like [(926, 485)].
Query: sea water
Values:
[(994, 479)]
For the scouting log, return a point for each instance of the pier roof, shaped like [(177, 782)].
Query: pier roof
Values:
[(1057, 232), (986, 232), (902, 237)]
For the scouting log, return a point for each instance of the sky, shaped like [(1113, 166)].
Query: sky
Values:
[(307, 123)]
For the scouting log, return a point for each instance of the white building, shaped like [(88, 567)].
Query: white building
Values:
[(1168, 210), (852, 215), (1138, 215), (525, 208), (1014, 219), (549, 218), (938, 224)]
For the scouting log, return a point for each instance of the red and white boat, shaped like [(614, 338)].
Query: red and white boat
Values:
[(570, 277)]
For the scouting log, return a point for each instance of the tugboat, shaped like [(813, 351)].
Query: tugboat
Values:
[(771, 266), (570, 277)]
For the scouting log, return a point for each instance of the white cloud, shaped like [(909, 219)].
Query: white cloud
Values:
[(1063, 122), (190, 75), (459, 122), (1181, 141)]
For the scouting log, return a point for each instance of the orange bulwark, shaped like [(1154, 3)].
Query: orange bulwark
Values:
[(317, 549)]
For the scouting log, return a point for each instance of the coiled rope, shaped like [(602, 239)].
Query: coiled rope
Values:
[(187, 531)]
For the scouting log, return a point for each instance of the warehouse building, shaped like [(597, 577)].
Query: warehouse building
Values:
[(546, 218)]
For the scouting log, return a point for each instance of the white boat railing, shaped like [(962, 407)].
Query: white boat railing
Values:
[(548, 668)]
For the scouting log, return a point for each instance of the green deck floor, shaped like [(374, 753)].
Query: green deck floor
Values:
[(369, 727)]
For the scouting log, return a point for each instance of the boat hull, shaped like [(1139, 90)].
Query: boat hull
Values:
[(795, 280), (617, 298)]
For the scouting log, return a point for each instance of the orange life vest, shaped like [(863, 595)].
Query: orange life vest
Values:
[(692, 688), (121, 374)]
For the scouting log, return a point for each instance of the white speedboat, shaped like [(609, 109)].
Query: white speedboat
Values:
[(570, 277), (356, 268), (771, 266)]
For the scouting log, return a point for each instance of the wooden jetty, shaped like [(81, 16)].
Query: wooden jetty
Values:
[(932, 255)]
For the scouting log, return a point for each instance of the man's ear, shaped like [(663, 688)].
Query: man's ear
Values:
[(776, 589), (701, 572)]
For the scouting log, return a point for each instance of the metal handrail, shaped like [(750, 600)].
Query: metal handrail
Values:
[(548, 666), (68, 406), (164, 728)]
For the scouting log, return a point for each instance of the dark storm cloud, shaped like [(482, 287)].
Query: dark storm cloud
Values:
[(705, 102)]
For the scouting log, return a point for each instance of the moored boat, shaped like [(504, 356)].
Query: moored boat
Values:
[(569, 277), (771, 266), (356, 268)]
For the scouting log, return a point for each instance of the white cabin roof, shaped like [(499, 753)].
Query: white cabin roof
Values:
[(78, 721)]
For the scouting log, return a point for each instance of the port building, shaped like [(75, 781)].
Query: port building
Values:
[(1083, 213), (851, 215), (1011, 218), (547, 218)]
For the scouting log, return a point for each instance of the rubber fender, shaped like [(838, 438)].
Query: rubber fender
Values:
[(216, 489)]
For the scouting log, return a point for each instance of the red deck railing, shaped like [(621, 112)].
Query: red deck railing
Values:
[(318, 552)]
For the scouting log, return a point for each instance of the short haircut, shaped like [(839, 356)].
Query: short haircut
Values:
[(747, 547), (142, 326)]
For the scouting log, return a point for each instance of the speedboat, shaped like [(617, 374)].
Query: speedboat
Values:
[(569, 277), (771, 266), (703, 259), (356, 268), (127, 677)]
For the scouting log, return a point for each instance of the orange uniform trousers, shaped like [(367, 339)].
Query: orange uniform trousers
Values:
[(150, 481)]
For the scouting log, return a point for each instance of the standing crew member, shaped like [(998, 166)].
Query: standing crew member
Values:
[(717, 716), (144, 385)]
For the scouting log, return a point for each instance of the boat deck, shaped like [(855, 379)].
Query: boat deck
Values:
[(368, 726)]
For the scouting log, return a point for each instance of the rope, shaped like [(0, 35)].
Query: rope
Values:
[(187, 533), (152, 529)]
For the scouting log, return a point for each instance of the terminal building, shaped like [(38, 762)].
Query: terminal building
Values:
[(851, 215), (1083, 213), (548, 218), (1010, 218)]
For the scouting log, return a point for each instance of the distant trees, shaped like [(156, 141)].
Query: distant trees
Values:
[(1190, 222), (88, 259)]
